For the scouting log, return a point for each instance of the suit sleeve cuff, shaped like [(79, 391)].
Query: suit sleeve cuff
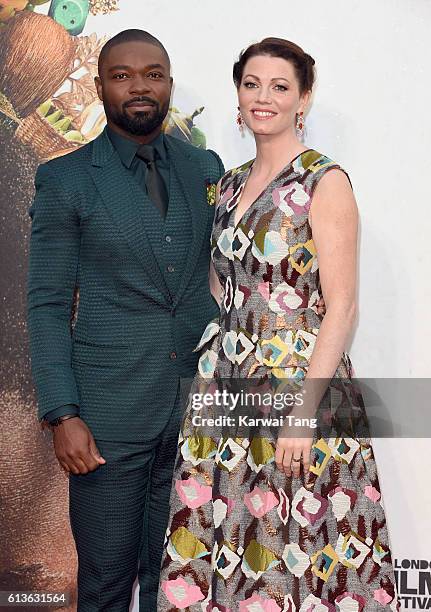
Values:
[(61, 411)]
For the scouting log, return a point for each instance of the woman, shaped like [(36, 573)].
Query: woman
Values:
[(291, 521)]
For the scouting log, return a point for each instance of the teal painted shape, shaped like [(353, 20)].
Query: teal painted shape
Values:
[(71, 14)]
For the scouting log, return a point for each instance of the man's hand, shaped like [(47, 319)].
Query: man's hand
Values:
[(75, 447)]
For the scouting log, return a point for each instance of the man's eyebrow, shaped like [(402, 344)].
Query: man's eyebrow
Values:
[(126, 67)]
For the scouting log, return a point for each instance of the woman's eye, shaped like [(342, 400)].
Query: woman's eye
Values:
[(249, 84), (281, 87)]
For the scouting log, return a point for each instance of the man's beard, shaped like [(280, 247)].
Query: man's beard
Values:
[(140, 123)]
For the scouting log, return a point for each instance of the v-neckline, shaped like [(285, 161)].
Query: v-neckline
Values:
[(264, 190)]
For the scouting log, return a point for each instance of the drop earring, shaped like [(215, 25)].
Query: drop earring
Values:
[(240, 121), (300, 124)]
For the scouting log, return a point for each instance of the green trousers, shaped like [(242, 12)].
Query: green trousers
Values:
[(118, 515)]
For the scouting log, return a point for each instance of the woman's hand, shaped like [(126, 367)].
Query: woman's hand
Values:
[(291, 452), (296, 436)]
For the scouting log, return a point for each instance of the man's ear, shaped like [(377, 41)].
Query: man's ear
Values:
[(98, 84)]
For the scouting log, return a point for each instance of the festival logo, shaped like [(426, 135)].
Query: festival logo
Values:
[(413, 578)]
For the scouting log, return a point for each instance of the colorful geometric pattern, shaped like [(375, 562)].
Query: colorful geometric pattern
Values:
[(352, 550), (243, 536), (324, 562)]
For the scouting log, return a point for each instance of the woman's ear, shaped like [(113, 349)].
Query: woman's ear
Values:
[(304, 102)]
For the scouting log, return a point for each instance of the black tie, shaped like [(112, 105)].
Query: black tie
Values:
[(156, 187)]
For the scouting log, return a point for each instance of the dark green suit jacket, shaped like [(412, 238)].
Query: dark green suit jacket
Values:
[(132, 340)]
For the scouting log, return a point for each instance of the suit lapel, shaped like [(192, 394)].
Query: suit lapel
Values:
[(194, 191), (125, 201)]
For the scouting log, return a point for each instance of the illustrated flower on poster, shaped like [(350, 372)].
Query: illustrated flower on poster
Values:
[(75, 110), (64, 113), (182, 126), (103, 7), (73, 115), (9, 8)]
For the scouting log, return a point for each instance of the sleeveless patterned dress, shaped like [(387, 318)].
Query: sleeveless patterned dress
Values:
[(242, 536)]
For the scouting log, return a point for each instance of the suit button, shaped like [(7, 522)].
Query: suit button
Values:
[(170, 269), (168, 239), (173, 355)]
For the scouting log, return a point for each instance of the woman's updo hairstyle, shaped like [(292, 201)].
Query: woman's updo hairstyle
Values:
[(278, 47)]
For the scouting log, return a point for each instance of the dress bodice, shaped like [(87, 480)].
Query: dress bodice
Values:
[(268, 267)]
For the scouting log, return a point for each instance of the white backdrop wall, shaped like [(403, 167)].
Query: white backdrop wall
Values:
[(370, 112)]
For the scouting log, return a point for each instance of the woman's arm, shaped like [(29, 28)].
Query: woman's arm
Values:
[(215, 286), (334, 219)]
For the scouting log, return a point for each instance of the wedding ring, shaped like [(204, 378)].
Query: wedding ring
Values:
[(297, 460)]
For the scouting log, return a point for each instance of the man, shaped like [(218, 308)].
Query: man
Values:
[(126, 220)]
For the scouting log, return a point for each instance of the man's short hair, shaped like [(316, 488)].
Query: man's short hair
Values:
[(132, 35)]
